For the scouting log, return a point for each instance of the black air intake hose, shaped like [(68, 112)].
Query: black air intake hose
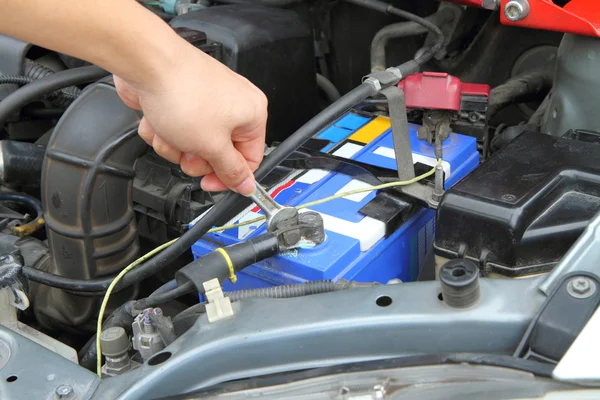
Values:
[(87, 184)]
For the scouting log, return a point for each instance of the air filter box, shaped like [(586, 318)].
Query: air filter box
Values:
[(521, 210)]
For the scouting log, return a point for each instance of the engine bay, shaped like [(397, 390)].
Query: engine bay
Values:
[(440, 164)]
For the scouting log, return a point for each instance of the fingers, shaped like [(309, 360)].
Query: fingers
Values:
[(146, 132), (252, 149), (231, 168), (211, 183), (165, 150), (194, 165), (127, 93)]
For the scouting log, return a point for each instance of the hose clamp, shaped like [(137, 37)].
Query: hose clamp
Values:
[(396, 71), (373, 82)]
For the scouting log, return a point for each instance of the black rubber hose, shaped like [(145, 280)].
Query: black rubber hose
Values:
[(31, 203), (401, 30), (328, 88), (41, 87), (183, 244), (526, 87), (61, 98), (21, 162), (414, 65)]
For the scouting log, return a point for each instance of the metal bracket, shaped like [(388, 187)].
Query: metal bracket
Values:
[(399, 120)]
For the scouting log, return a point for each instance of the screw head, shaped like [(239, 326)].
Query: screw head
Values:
[(64, 392), (581, 287), (516, 10)]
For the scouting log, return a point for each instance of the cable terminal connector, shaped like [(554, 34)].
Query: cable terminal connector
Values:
[(218, 306)]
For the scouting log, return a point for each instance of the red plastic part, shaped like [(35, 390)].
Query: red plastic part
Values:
[(476, 89), (438, 91), (581, 17)]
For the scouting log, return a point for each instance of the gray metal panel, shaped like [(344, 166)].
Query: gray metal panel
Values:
[(269, 336), (39, 371)]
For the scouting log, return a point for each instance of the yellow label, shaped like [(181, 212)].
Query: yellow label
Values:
[(372, 130)]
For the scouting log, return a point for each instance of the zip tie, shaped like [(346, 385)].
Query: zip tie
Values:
[(232, 276)]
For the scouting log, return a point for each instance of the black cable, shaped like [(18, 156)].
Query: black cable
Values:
[(30, 202), (48, 84), (161, 298), (14, 80), (331, 92), (401, 30), (414, 65), (61, 98), (520, 89)]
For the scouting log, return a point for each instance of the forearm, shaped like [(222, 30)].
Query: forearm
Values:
[(119, 35)]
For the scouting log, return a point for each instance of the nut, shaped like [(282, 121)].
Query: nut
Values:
[(64, 392), (581, 287)]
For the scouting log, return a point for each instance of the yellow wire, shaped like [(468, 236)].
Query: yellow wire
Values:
[(109, 291), (232, 276), (227, 227)]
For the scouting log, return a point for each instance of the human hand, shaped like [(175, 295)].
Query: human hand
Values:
[(205, 117)]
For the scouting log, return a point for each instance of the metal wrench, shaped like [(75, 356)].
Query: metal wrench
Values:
[(274, 212)]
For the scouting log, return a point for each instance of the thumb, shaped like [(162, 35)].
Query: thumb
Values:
[(232, 169)]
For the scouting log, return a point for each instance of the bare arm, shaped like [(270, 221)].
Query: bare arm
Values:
[(197, 112)]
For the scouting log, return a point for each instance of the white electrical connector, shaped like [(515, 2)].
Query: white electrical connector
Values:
[(218, 306)]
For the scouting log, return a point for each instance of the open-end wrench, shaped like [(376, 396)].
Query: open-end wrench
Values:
[(274, 212)]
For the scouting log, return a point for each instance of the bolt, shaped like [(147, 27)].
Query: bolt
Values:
[(581, 287), (64, 392), (516, 10), (291, 238)]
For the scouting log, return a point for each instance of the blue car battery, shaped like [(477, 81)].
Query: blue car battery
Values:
[(357, 247)]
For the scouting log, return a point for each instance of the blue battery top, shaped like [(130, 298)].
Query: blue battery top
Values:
[(356, 246)]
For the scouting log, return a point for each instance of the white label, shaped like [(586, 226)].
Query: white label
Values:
[(313, 176), (389, 153), (348, 150), (354, 185), (367, 231)]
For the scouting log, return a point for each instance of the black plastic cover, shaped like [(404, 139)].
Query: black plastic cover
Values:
[(521, 210), (274, 49)]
